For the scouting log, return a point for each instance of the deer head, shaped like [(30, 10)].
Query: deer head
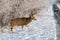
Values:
[(33, 12)]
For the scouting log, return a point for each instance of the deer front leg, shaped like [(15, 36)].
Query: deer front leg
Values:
[(22, 27), (28, 27)]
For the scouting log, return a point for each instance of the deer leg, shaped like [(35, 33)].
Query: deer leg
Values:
[(28, 27), (11, 28), (22, 27)]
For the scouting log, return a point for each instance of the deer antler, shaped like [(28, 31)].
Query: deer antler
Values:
[(34, 11)]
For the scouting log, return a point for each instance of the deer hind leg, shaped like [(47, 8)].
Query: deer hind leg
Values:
[(11, 28)]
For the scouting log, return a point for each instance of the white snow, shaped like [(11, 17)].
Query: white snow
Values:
[(41, 29)]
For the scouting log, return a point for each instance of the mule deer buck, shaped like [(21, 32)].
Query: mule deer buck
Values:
[(22, 21)]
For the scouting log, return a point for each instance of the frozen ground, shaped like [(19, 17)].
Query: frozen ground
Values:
[(41, 29)]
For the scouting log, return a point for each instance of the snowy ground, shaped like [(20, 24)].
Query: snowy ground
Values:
[(41, 29)]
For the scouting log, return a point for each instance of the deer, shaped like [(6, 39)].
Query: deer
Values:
[(22, 21)]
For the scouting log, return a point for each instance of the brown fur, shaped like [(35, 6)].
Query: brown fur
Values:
[(20, 22)]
